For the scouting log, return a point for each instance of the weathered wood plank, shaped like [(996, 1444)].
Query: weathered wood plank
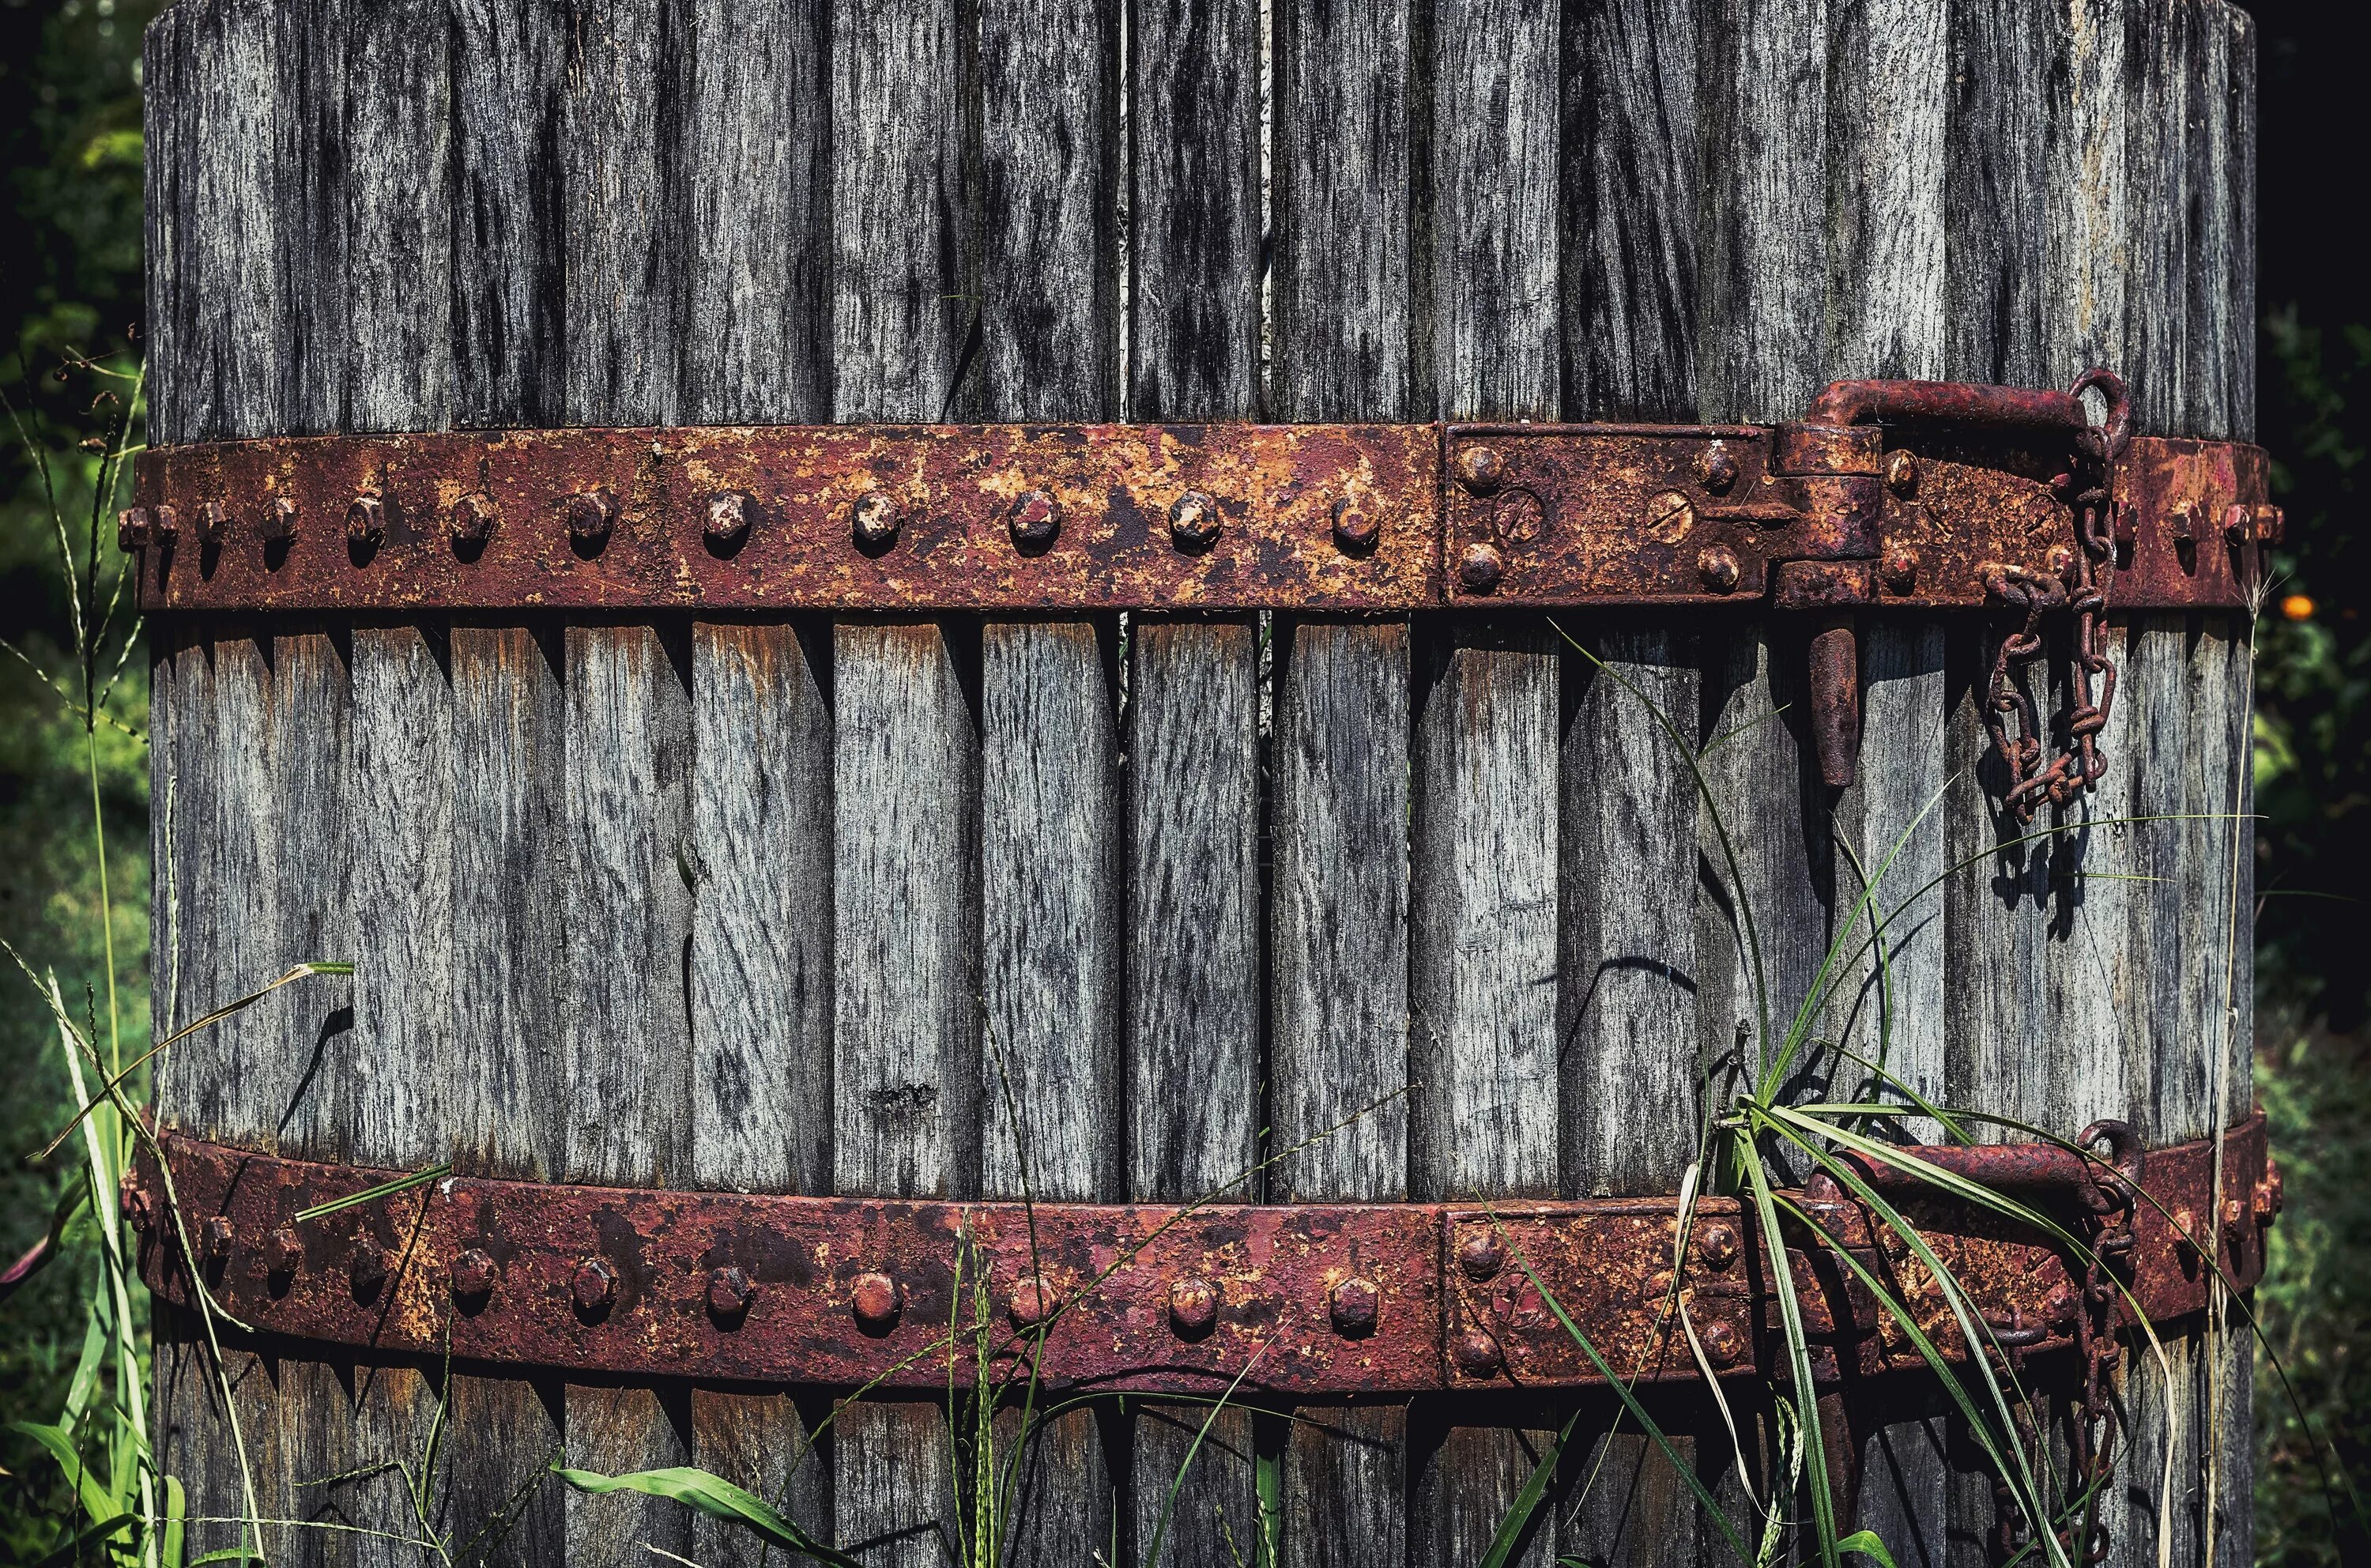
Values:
[(230, 298), (2085, 143), (165, 177), (1997, 189), (396, 347), (1886, 229), (509, 61), (623, 300), (2209, 329), (2156, 228), (2239, 175)]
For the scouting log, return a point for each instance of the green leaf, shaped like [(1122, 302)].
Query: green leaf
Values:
[(77, 1550), (715, 1496), (1518, 1517), (90, 1491)]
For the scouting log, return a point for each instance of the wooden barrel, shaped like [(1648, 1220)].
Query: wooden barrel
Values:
[(1137, 906)]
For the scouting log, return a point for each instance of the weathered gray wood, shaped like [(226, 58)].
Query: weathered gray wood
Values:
[(2239, 191), (298, 1083), (2156, 228), (229, 301), (397, 351), (163, 176), (624, 289), (509, 58), (1886, 224)]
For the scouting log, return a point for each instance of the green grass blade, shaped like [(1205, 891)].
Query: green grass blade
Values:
[(373, 1194), (1799, 1357), (1535, 1490), (718, 1499)]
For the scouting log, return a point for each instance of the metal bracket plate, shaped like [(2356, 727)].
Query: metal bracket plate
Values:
[(1315, 1300)]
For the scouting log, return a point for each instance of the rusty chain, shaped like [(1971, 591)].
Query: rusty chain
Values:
[(2079, 585)]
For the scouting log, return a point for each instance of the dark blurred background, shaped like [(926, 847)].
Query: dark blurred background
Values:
[(70, 288)]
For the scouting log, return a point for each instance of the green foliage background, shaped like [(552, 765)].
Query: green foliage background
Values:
[(70, 285)]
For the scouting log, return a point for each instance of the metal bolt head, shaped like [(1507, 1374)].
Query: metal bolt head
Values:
[(365, 520), (1722, 1343), (1034, 520), (2185, 523), (1193, 521), (591, 515), (2185, 1233), (2238, 522), (728, 516), (876, 1300), (1900, 570), (1668, 516), (593, 1285), (473, 1273), (213, 518), (471, 520), (1481, 1254), (2276, 1186), (2234, 1212), (1479, 469), (133, 525), (279, 522), (1716, 467), (139, 1209), (214, 1239), (1354, 1306), (283, 1251), (1719, 569), (1032, 1302), (1902, 474), (164, 525), (2060, 1308), (366, 1270), (1481, 568), (1476, 1352), (873, 521), (1717, 1246), (729, 1292), (2271, 524), (2061, 560), (1355, 528), (1192, 1307)]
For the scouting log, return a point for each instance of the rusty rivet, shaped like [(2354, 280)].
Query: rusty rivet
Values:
[(1482, 1254), (1717, 1246), (280, 520), (1718, 568), (1032, 1302), (873, 521), (2234, 1211), (1900, 570), (217, 1238), (473, 1273), (591, 515), (2061, 560), (365, 519), (1715, 468), (2060, 1308), (1902, 474), (1480, 468), (367, 1269), (1193, 520), (1668, 516), (1481, 568), (1192, 1307), (1034, 520), (2185, 523), (728, 516), (1354, 527), (164, 525), (729, 1292), (593, 1285), (138, 1211), (131, 527), (2185, 1233), (1354, 1306), (2237, 520), (213, 518), (876, 1300), (1476, 1352), (1721, 1344), (471, 519), (283, 1251)]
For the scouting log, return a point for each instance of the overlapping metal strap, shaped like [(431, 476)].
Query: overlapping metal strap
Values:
[(1311, 1300)]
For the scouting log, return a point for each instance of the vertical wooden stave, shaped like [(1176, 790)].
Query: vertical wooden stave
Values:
[(1195, 703), (510, 286)]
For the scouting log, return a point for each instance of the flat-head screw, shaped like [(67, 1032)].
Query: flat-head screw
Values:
[(213, 518), (1721, 1344), (471, 520), (216, 1238), (874, 520), (365, 520), (1902, 474), (279, 520), (1717, 1246), (1476, 1353), (1031, 1303), (367, 1269), (132, 528), (1354, 1306), (729, 1292), (1717, 468), (1480, 468), (1481, 568), (591, 515), (1035, 521), (593, 1285), (1193, 521), (473, 1273), (876, 1300), (1718, 568), (283, 1251), (1481, 1254), (1899, 569), (1354, 527), (1192, 1307), (728, 516), (1667, 516)]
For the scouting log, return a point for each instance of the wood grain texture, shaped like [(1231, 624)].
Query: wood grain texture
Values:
[(509, 299), (399, 217), (2240, 182), (1998, 191), (2157, 229), (621, 309), (231, 293), (1886, 215)]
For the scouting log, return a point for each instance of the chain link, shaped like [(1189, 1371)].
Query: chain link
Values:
[(2080, 584)]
